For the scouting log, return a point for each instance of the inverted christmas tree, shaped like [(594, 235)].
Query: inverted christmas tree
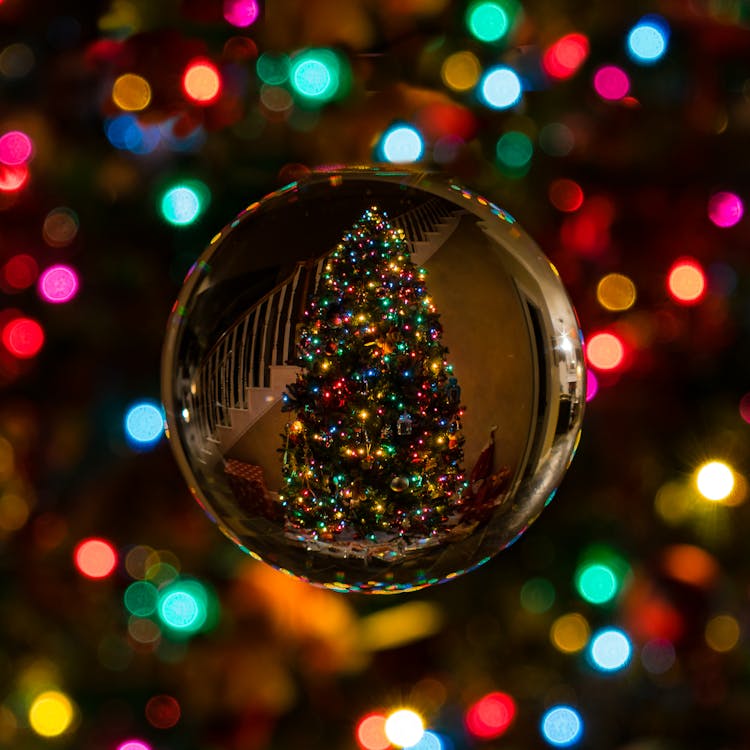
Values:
[(373, 449)]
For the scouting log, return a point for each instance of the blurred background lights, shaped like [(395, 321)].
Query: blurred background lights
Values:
[(605, 351), (131, 92), (16, 60), (58, 284), (722, 633), (201, 82), (51, 714), (141, 598), (429, 741), (241, 13), (490, 716), (15, 148), (273, 68), (20, 272), (565, 195), (500, 87), (715, 480), (610, 650), (404, 727), (616, 292), (514, 150), (60, 227), (611, 83), (370, 732), (183, 606), (570, 633), (592, 385), (686, 281), (563, 58), (725, 209), (95, 558), (183, 203), (744, 407), (596, 583), (647, 40), (488, 21), (13, 178), (144, 423), (561, 726), (23, 337), (658, 656), (315, 75), (461, 70), (402, 144), (133, 745), (537, 595), (163, 711)]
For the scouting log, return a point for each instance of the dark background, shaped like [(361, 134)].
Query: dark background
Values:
[(288, 666)]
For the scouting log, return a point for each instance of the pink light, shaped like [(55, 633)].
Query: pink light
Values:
[(592, 385), (611, 83), (23, 337), (563, 58), (58, 284), (725, 209), (745, 407), (134, 745), (241, 13), (15, 148)]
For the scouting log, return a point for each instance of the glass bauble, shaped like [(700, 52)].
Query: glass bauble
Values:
[(373, 379)]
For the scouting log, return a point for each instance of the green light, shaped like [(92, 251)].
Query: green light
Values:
[(182, 203), (537, 595), (183, 606), (488, 21), (315, 75), (596, 583), (273, 69), (514, 150), (141, 598)]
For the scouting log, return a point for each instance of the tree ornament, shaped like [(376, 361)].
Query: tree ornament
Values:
[(332, 397)]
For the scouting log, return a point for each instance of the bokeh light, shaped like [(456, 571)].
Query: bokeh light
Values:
[(686, 281), (490, 716), (514, 150), (16, 60), (315, 75), (141, 598), (404, 727), (402, 144), (658, 656), (95, 558), (58, 284), (725, 209), (183, 606), (51, 714), (611, 83), (556, 139), (134, 745), (563, 58), (273, 68), (183, 203), (722, 633), (647, 41), (23, 337), (131, 92), (144, 423), (488, 21), (60, 227), (500, 87), (596, 583), (461, 70), (16, 148), (605, 351), (537, 595), (565, 195), (241, 13), (561, 726), (744, 408), (370, 732), (163, 711), (592, 385), (429, 741), (610, 650), (570, 633), (616, 292), (201, 82), (714, 480), (20, 272)]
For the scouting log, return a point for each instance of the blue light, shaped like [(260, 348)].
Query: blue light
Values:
[(124, 132), (144, 423), (610, 650), (562, 726), (402, 144), (429, 741), (500, 87), (648, 40)]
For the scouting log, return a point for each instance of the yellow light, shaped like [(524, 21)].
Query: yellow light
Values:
[(715, 480), (616, 292), (722, 633), (460, 71), (404, 728), (51, 714), (364, 414), (570, 633), (297, 426), (131, 92)]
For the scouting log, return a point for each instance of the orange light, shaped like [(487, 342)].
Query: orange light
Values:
[(201, 82), (605, 351), (371, 733), (686, 282), (95, 558)]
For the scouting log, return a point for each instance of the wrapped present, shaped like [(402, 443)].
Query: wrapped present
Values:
[(249, 488)]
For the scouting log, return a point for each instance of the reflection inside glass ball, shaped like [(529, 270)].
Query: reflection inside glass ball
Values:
[(373, 380)]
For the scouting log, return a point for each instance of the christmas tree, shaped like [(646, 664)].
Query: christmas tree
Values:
[(375, 447)]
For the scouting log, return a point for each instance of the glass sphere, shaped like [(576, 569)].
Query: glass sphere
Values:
[(373, 380)]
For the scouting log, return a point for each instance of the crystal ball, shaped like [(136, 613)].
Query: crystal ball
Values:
[(373, 380)]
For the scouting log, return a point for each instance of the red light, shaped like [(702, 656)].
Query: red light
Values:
[(163, 711), (686, 282), (563, 58), (23, 337), (490, 716), (20, 272), (13, 178), (201, 82), (605, 351), (566, 195), (95, 558), (370, 733)]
